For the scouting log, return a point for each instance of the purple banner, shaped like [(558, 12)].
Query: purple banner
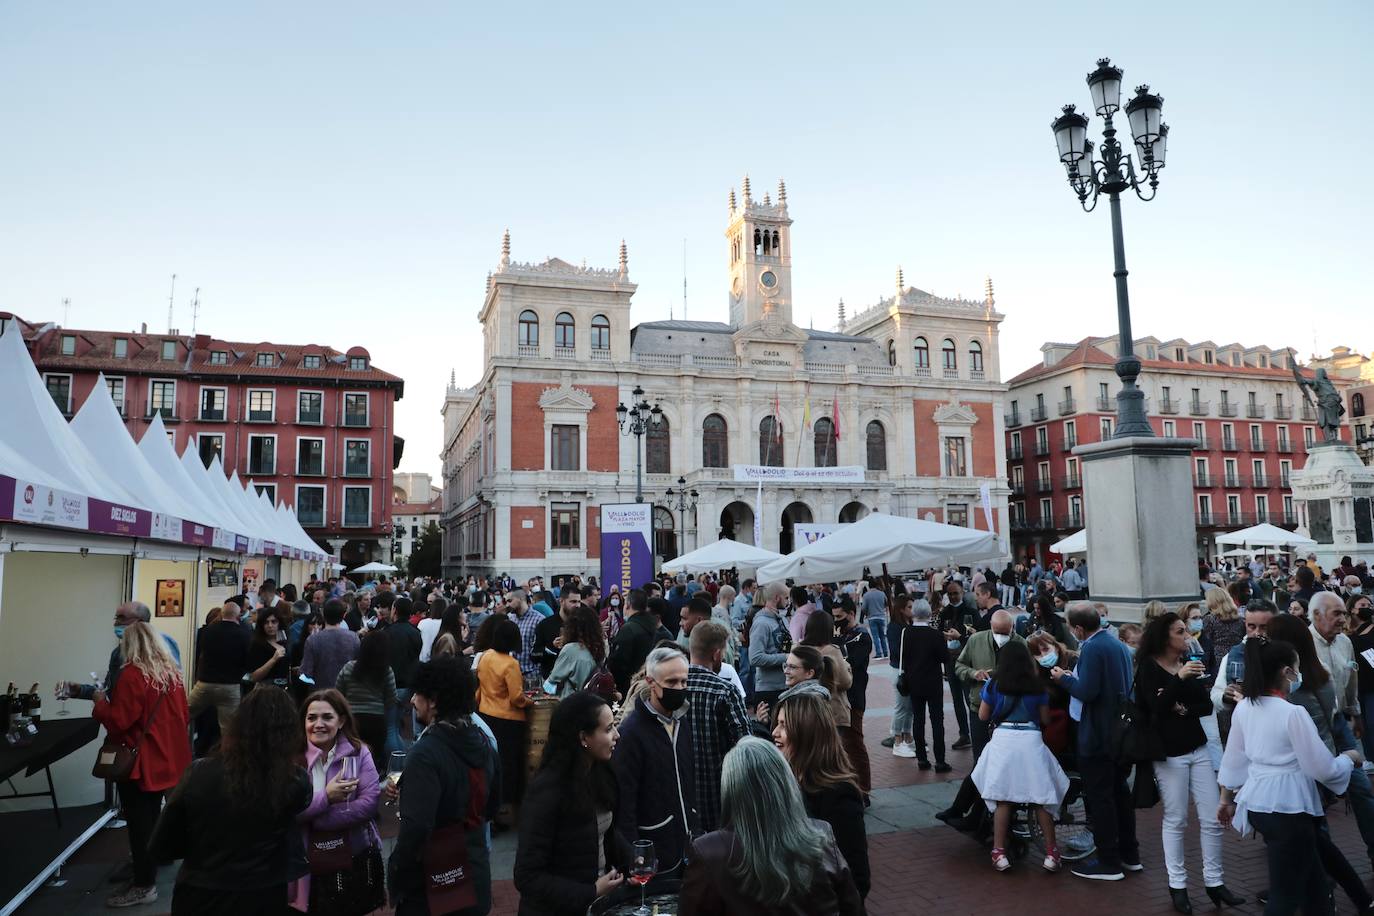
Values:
[(627, 557), (200, 535), (240, 544), (6, 497), (112, 518)]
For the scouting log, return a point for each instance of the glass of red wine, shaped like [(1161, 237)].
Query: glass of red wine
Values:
[(642, 869)]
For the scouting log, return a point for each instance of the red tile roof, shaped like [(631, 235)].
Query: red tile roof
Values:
[(1085, 353)]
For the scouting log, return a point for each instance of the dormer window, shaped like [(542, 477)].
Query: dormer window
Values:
[(1208, 357), (1178, 354), (357, 362), (68, 345), (266, 360), (311, 362), (169, 349), (121, 348), (219, 357)]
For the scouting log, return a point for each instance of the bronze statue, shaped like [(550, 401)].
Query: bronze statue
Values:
[(1328, 406)]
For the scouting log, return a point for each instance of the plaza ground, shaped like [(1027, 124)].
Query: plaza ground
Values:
[(918, 864)]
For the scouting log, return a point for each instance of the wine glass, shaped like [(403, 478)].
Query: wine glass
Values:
[(63, 692), (350, 769), (396, 764), (642, 869)]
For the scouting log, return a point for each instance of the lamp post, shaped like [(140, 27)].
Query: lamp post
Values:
[(636, 420), (1113, 173), (680, 502)]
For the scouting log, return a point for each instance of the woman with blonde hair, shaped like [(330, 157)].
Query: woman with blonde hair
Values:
[(1222, 628), (148, 714)]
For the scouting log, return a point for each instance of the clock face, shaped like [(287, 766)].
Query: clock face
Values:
[(768, 279), (737, 289)]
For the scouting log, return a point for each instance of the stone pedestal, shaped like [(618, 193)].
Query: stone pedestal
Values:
[(1334, 495), (1138, 498)]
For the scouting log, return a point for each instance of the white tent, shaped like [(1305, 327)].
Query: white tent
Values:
[(1074, 543), (721, 555), (374, 567), (216, 493), (1265, 535), (162, 458), (291, 524), (901, 544)]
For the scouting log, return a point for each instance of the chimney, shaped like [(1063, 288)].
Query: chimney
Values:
[(144, 328)]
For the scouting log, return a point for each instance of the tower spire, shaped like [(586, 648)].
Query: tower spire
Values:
[(505, 249), (732, 200), (746, 190), (841, 326), (987, 298), (901, 282), (624, 261), (782, 193)]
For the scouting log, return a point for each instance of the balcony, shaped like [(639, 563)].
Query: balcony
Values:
[(1167, 406), (1229, 444), (1285, 446), (1042, 449), (211, 416), (527, 350), (1069, 443), (1044, 485), (1038, 414), (168, 414), (1204, 480), (1046, 523), (1258, 445), (1254, 411), (1075, 520), (1205, 520), (1233, 481), (604, 356), (921, 372), (1290, 518), (1015, 453), (1283, 412), (564, 353), (1073, 482), (1227, 410), (1199, 408), (1012, 419), (950, 373), (1284, 481), (1068, 407), (1240, 520), (977, 375), (1309, 414), (1018, 489), (1203, 444), (1261, 481), (1106, 405)]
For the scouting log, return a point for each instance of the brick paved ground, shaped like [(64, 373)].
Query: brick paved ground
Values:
[(919, 866)]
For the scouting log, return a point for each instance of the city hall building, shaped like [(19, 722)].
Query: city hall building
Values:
[(903, 400)]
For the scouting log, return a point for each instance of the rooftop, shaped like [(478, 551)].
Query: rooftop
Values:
[(1087, 353)]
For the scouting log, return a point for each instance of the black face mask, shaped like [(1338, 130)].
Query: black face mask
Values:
[(673, 698)]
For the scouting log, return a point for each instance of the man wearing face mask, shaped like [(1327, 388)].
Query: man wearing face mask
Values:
[(975, 665), (127, 614), (654, 762)]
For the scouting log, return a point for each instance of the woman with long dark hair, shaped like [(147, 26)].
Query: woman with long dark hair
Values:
[(569, 852), (583, 652), (369, 685), (1269, 772), (232, 820), (452, 637), (267, 661), (1047, 619)]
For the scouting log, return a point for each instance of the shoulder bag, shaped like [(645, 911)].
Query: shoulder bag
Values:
[(1134, 738), (115, 761)]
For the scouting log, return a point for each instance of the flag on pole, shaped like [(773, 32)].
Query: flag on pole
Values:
[(777, 425), (835, 415), (805, 423)]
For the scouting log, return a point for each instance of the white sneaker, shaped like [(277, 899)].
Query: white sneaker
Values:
[(903, 750)]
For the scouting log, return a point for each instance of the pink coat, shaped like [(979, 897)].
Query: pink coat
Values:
[(357, 815)]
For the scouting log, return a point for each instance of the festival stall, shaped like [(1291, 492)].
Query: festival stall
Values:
[(1073, 544), (724, 554)]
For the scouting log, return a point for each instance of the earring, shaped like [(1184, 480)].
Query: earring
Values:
[(585, 747)]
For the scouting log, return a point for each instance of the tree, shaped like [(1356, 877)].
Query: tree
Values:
[(426, 555)]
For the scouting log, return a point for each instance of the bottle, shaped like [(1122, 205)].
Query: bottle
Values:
[(34, 707)]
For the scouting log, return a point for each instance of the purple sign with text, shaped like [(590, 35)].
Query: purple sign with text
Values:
[(627, 556)]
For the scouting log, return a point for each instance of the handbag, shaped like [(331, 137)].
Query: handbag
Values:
[(115, 761), (357, 888), (1134, 738), (602, 683), (449, 885)]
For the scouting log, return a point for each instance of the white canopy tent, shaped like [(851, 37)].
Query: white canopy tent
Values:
[(1074, 543), (374, 567), (723, 554), (1265, 535), (162, 458), (901, 544)]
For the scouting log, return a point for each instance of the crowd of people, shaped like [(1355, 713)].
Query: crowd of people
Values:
[(715, 726)]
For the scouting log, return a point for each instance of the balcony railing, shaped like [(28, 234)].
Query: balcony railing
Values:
[(1240, 519), (604, 356), (1284, 481), (1075, 520), (1283, 412), (1038, 414), (1309, 414), (1072, 482), (977, 375), (1233, 481), (1204, 480), (1199, 408), (1204, 520), (1203, 444), (1260, 481), (1167, 406), (1229, 444), (1046, 522), (1227, 410), (1015, 453), (1018, 489), (1044, 485), (1285, 446), (1106, 405), (1258, 445), (1070, 443), (1012, 419), (527, 350), (1042, 449), (1290, 518), (1254, 411), (1067, 407)]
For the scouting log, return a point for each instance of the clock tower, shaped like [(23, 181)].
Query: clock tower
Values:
[(759, 242)]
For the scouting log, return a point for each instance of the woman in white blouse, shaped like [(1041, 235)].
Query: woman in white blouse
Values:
[(1267, 776)]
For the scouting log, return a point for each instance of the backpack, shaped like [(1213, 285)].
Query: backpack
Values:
[(602, 683)]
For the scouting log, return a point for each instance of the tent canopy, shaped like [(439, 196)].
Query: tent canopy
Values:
[(1074, 543), (721, 555), (374, 567), (1265, 535), (902, 544)]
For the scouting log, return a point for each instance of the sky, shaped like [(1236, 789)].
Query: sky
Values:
[(341, 173)]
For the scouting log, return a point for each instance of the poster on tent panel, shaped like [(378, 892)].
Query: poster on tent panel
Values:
[(627, 557), (810, 533)]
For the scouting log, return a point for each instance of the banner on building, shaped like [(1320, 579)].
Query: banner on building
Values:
[(749, 473), (985, 495), (811, 533), (627, 556)]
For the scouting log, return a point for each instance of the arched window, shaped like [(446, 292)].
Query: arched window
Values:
[(922, 353), (564, 331), (601, 333), (892, 352), (975, 356), (877, 446), (656, 448), (665, 533), (529, 329), (770, 442), (1357, 405), (827, 449), (950, 354), (715, 442)]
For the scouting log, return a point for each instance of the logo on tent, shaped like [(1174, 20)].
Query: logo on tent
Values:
[(28, 495)]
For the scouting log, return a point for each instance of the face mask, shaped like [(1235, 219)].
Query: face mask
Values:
[(1356, 589), (1048, 660), (673, 698), (1001, 639), (1295, 685), (953, 643), (1103, 622), (119, 632), (615, 602), (1195, 626)]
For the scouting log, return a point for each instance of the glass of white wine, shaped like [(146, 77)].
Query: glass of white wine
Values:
[(396, 765)]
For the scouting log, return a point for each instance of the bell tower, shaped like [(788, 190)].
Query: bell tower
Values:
[(759, 245)]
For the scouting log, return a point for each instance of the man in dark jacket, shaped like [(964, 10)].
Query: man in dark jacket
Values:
[(653, 763), (403, 643), (632, 643), (923, 654), (451, 759), (856, 645)]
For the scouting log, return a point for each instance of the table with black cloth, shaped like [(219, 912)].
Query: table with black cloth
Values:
[(56, 739)]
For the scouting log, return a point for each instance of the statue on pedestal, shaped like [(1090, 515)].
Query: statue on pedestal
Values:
[(1328, 406)]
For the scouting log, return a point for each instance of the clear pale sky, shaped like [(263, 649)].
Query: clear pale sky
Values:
[(341, 173)]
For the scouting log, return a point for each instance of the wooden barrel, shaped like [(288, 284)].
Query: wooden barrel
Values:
[(537, 716)]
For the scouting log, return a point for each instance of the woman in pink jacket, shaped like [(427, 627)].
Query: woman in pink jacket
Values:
[(340, 826)]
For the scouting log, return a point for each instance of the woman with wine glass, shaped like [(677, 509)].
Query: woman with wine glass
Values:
[(343, 807), (569, 853), (769, 858)]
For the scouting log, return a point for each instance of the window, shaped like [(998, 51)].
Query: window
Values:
[(262, 405), (1235, 359), (1164, 393), (169, 349), (957, 514), (922, 353), (565, 525), (310, 407), (1070, 433), (770, 442), (357, 507), (955, 464), (1256, 437), (1357, 405), (355, 410), (529, 329), (1104, 428), (268, 489), (1204, 508), (311, 362), (1170, 429), (665, 533), (1178, 354), (1016, 444), (1233, 509), (265, 360), (1076, 511), (356, 458), (823, 441), (1257, 468), (219, 357), (212, 403), (310, 457), (262, 455), (564, 448), (949, 355), (876, 441), (1250, 399), (601, 333), (715, 442), (1199, 431), (1018, 477), (657, 448), (564, 331), (1308, 437), (116, 389), (1285, 469), (1046, 511), (162, 398), (1071, 468), (975, 356), (121, 348), (310, 506), (1289, 516), (68, 345), (1104, 392), (210, 446), (892, 352), (1225, 398), (60, 388), (1232, 474), (1042, 440), (357, 364), (1228, 435), (1208, 357)]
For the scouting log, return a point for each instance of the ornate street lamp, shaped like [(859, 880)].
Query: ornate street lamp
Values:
[(1111, 173), (682, 501), (636, 420)]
